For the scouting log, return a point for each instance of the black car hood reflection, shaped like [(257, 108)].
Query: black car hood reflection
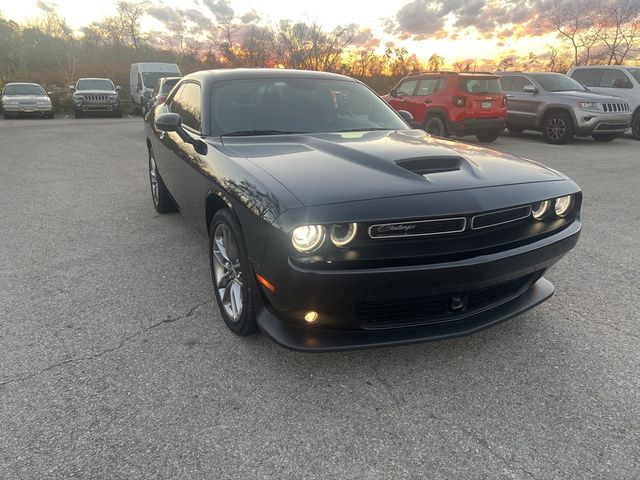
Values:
[(342, 167)]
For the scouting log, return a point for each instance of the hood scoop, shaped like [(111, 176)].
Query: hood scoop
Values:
[(429, 165)]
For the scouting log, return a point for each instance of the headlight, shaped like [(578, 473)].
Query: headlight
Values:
[(588, 105), (539, 210), (563, 205), (307, 238), (342, 234)]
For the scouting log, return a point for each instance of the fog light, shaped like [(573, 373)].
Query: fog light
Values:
[(563, 205), (311, 317)]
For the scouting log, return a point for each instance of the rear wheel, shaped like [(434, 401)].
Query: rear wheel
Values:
[(557, 128), (635, 126), (515, 129), (231, 274), (487, 136), (604, 137), (435, 126), (162, 200)]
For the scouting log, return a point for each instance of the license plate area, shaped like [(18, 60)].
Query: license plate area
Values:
[(486, 105)]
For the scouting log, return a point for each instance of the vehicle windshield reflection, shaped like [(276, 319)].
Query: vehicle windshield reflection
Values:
[(285, 106)]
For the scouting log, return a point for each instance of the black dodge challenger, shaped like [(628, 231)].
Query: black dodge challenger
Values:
[(333, 225)]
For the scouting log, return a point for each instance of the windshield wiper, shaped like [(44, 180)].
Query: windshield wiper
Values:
[(243, 133), (370, 129)]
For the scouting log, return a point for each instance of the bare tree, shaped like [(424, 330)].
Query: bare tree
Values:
[(619, 29), (130, 14), (570, 18)]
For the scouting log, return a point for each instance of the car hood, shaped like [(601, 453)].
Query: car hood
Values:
[(25, 98), (342, 167), (589, 96)]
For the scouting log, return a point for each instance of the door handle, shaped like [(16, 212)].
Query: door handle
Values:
[(427, 101)]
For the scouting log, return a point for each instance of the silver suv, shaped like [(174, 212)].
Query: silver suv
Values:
[(613, 80), (561, 108)]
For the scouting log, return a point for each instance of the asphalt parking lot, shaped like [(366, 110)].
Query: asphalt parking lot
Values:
[(114, 362)]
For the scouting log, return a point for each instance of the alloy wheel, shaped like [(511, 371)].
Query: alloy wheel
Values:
[(556, 128), (153, 176), (227, 271)]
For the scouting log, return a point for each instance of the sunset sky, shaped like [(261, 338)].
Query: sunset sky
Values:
[(455, 29)]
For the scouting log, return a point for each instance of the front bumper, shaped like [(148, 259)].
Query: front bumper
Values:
[(338, 296), (474, 126), (589, 123), (28, 109), (97, 107)]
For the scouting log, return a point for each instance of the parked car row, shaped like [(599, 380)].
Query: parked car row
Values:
[(601, 102)]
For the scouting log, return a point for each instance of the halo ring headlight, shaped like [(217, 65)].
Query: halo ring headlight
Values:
[(563, 205), (342, 234), (539, 210), (307, 238)]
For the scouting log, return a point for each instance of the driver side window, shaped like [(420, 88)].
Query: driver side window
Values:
[(186, 102), (407, 88)]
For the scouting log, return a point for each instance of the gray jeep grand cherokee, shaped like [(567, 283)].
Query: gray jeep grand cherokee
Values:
[(561, 108), (96, 96)]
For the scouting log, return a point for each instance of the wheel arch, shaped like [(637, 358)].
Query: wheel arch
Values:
[(556, 108), (216, 201)]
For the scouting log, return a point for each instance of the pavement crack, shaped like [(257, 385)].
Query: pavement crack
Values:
[(99, 354), (387, 386)]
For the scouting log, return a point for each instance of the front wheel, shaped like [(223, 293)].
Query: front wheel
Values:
[(604, 137), (487, 136), (435, 126), (231, 274), (635, 126), (162, 200), (558, 128)]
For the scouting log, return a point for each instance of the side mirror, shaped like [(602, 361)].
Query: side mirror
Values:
[(171, 122), (530, 89), (118, 88), (49, 93), (168, 122), (406, 116)]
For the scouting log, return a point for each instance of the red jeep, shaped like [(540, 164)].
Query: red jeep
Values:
[(450, 103)]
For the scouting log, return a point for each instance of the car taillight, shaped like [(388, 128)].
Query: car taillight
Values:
[(504, 100), (459, 101), (162, 98)]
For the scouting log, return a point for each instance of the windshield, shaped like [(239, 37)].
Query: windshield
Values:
[(556, 82), (151, 78), (636, 73), (94, 84), (23, 90), (271, 106), (480, 85)]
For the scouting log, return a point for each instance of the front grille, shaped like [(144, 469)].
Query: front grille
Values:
[(437, 309), (500, 217), (96, 98), (616, 107), (418, 228), (429, 165)]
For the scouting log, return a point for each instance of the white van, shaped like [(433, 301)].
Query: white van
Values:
[(143, 78)]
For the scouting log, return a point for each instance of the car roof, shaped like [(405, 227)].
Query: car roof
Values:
[(271, 73), (503, 74), (93, 78), (453, 74), (22, 83)]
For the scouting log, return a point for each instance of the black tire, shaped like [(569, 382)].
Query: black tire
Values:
[(487, 137), (245, 322), (7, 116), (435, 125), (557, 128), (635, 126), (515, 129), (604, 137), (118, 114), (79, 115), (162, 200), (50, 116)]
